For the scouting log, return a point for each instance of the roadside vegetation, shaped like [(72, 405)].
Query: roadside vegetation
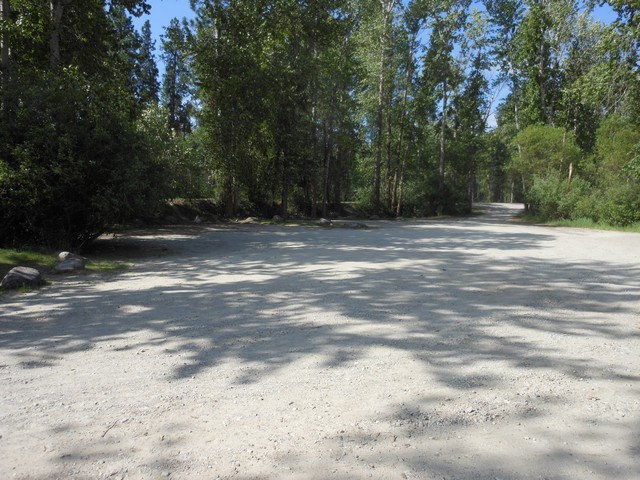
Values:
[(583, 223), (45, 261), (9, 258), (289, 108)]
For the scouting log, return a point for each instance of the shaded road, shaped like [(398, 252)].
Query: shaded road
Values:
[(475, 348)]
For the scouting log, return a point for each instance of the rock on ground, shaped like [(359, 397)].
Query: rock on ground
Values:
[(19, 277), (69, 262)]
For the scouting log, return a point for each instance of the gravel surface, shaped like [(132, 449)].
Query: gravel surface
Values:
[(477, 348)]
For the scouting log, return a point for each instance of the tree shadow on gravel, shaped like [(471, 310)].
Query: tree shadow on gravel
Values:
[(459, 297)]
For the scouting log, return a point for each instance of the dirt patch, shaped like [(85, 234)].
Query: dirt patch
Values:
[(475, 348)]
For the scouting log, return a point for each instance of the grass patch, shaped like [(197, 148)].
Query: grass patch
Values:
[(10, 258), (588, 223), (45, 261), (106, 266), (583, 223)]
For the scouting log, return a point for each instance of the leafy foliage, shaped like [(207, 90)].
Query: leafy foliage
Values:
[(73, 163), (73, 160)]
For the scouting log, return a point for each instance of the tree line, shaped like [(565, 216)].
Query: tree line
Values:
[(405, 108)]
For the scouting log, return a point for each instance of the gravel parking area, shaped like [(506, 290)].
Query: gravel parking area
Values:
[(475, 348)]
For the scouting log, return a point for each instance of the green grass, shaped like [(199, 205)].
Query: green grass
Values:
[(583, 223), (588, 223), (105, 266), (45, 261), (10, 258)]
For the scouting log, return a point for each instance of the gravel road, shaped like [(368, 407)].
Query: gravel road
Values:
[(478, 348)]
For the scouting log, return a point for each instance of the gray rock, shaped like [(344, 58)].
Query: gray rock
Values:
[(62, 256), (19, 277), (68, 266), (277, 218), (69, 262), (324, 221)]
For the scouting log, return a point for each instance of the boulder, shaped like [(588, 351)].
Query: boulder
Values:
[(324, 221), (69, 262), (19, 277)]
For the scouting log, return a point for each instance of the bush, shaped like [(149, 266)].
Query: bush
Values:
[(541, 151), (544, 196), (621, 207), (618, 155), (551, 201), (182, 159), (589, 207), (72, 163), (569, 202), (617, 150)]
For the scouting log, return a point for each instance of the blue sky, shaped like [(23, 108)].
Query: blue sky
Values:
[(162, 11)]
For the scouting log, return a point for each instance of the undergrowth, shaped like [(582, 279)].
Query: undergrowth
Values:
[(584, 223)]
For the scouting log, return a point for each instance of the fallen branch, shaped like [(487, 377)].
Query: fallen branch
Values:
[(110, 427)]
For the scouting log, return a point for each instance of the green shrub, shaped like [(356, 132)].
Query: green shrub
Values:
[(621, 206), (588, 207), (551, 200), (569, 202), (542, 151), (72, 162), (544, 196)]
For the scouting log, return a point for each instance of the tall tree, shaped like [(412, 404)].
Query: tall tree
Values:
[(227, 54), (535, 54), (72, 158), (147, 70), (125, 55), (62, 14), (471, 105), (442, 74), (627, 26), (506, 16), (375, 37), (176, 91)]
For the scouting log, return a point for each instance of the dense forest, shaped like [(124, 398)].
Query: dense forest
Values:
[(404, 108)]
